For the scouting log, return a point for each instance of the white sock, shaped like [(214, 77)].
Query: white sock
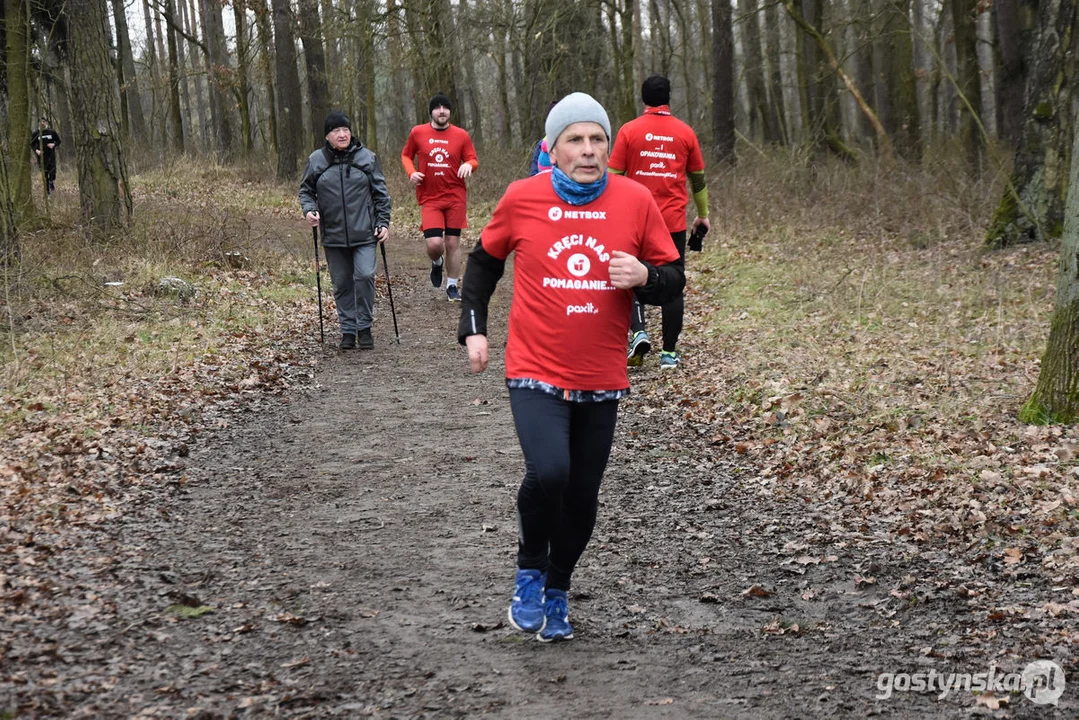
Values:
[(451, 282), (437, 262)]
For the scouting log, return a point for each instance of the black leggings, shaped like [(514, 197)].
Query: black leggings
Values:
[(566, 446), (672, 311)]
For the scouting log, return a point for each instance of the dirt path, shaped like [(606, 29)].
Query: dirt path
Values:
[(356, 541)]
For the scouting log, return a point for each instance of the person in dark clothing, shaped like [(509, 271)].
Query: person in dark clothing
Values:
[(343, 188), (43, 143), (583, 242)]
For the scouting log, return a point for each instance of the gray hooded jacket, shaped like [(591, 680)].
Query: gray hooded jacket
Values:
[(348, 190)]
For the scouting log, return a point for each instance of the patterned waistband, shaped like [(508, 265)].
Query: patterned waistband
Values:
[(567, 395)]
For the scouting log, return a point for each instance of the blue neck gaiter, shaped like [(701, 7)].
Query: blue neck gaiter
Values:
[(576, 193)]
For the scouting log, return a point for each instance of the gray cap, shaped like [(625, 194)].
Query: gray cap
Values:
[(575, 107)]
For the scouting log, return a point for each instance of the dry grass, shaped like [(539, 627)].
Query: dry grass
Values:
[(845, 330), (848, 333)]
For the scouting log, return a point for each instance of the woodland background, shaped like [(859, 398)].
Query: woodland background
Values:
[(884, 323)]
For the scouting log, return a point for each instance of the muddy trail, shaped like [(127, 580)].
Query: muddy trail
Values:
[(354, 543)]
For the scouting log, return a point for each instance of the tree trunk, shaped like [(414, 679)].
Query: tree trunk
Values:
[(1056, 396), (819, 104), (10, 253), (469, 67), (776, 109), (104, 192), (242, 87), (176, 123), (331, 35), (187, 51), (723, 103), (968, 81), (1015, 23), (218, 76), (1033, 205), (18, 112), (318, 94), (267, 63), (130, 99), (156, 132), (753, 71), (289, 100)]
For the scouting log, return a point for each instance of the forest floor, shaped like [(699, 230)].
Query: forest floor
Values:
[(334, 537)]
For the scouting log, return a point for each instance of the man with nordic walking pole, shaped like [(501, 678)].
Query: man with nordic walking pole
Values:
[(344, 190)]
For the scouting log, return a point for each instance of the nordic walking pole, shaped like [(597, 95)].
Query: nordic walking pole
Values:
[(389, 291), (318, 283)]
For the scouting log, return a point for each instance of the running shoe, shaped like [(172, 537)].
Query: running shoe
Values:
[(436, 273), (453, 294), (556, 617), (526, 610), (669, 360), (639, 346)]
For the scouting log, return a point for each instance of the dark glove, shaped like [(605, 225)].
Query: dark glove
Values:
[(696, 238)]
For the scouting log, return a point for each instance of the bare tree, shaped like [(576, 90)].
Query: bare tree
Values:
[(242, 86), (1056, 395), (9, 232), (314, 53), (289, 117), (219, 76), (131, 111), (267, 63), (968, 81), (152, 60), (175, 114), (1015, 22), (104, 191), (17, 50), (723, 102), (1033, 204)]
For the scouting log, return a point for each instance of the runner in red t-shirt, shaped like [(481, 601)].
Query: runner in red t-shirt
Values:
[(582, 241), (660, 151), (438, 157)]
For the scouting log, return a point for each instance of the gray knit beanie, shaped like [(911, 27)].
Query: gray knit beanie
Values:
[(575, 107)]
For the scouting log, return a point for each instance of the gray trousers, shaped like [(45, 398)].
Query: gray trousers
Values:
[(352, 271)]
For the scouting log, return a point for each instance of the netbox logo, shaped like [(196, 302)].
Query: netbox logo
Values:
[(1042, 682), (555, 213)]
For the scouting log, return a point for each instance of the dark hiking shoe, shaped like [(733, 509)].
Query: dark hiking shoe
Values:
[(436, 274), (348, 341), (367, 342)]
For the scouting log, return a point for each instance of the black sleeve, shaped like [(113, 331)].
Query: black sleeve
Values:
[(33, 139), (665, 282), (478, 285)]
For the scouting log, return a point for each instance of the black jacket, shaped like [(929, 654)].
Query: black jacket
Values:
[(348, 190), (40, 140)]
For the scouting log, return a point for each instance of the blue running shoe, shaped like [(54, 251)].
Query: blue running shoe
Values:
[(526, 610), (639, 346), (556, 625), (669, 360), (453, 294)]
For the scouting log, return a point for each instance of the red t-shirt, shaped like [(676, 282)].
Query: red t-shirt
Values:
[(657, 150), (567, 323), (439, 154)]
